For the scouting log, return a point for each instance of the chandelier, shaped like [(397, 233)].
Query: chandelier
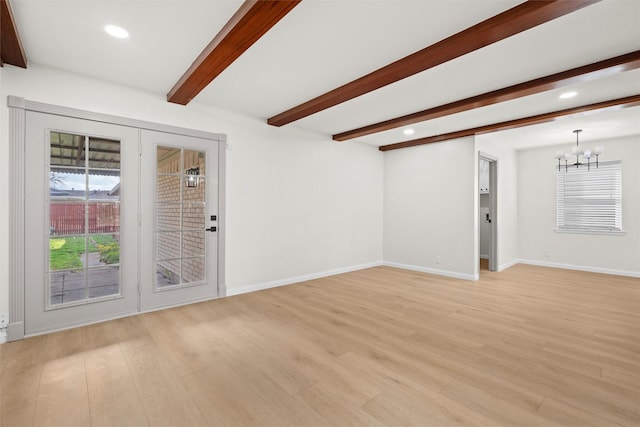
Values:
[(585, 154)]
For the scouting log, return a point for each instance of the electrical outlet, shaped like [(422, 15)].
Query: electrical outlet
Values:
[(547, 253), (4, 320), (436, 259)]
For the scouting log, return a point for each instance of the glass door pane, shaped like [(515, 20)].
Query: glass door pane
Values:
[(84, 219), (181, 206)]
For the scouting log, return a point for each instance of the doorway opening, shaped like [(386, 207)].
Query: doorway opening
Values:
[(487, 213)]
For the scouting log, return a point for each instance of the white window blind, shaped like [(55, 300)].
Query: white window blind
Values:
[(590, 200)]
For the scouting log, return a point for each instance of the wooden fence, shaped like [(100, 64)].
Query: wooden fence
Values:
[(69, 218)]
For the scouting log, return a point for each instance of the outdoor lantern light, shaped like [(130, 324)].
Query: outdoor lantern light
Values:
[(193, 177)]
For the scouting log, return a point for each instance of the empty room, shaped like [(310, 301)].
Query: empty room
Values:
[(319, 213)]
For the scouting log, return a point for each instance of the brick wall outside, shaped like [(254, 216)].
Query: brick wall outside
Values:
[(170, 238)]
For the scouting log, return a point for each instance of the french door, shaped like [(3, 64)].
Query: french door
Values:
[(179, 219), (118, 220), (81, 233)]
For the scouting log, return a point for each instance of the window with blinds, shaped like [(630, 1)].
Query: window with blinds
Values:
[(590, 200)]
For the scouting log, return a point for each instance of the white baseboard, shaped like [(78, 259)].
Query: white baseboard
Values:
[(222, 290), (15, 331), (231, 291), (484, 256), (3, 335), (446, 273), (508, 264), (581, 268)]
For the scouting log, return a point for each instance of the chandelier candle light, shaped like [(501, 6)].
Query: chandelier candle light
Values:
[(586, 154)]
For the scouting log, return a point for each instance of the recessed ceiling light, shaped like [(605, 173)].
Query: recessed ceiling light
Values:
[(568, 95), (115, 31), (409, 131)]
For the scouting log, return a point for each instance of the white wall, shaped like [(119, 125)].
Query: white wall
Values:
[(298, 204), (537, 214), (507, 215), (430, 196)]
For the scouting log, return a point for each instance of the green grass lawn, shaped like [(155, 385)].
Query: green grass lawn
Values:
[(65, 252)]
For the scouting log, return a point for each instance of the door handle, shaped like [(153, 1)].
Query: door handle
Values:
[(211, 229), (488, 219)]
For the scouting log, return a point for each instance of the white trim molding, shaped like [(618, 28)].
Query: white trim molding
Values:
[(14, 101), (435, 271), (602, 233), (586, 268), (222, 214), (508, 264), (231, 291), (17, 122)]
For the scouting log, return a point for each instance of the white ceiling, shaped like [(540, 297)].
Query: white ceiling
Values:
[(322, 44)]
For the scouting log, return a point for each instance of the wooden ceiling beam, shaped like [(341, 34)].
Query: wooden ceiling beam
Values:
[(499, 27), (629, 101), (608, 67), (250, 22), (11, 51)]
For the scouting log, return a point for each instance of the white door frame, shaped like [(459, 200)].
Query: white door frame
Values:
[(18, 168), (493, 210)]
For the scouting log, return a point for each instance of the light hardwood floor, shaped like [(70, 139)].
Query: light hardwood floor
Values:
[(377, 347)]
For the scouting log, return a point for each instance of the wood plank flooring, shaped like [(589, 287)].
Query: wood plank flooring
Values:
[(529, 346)]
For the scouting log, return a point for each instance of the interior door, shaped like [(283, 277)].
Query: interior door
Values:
[(81, 236), (179, 217)]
